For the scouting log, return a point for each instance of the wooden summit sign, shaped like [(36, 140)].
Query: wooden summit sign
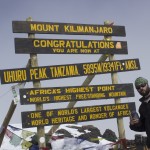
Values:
[(67, 28), (60, 46), (73, 115), (69, 70), (75, 93)]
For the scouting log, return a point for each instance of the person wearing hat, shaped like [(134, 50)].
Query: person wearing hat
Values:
[(142, 123)]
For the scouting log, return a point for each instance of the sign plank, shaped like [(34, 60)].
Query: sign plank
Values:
[(65, 71), (75, 93), (66, 28), (61, 46), (73, 115)]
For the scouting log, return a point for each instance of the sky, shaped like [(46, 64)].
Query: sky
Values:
[(134, 15)]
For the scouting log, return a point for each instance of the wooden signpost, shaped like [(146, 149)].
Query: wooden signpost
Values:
[(69, 70), (61, 46), (73, 115), (38, 95), (75, 93), (38, 107)]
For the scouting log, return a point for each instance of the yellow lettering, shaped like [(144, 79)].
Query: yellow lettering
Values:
[(36, 73), (116, 107), (39, 99), (82, 118), (58, 50), (49, 113), (131, 65), (87, 29), (67, 112), (59, 120), (105, 88), (117, 94), (79, 89), (45, 91), (87, 51), (44, 27), (123, 113), (72, 51), (13, 76), (62, 97), (61, 71), (36, 115), (102, 67), (91, 109), (98, 116), (90, 96), (40, 122)]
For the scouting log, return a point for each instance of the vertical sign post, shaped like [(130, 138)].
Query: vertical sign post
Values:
[(114, 78), (37, 84), (120, 124)]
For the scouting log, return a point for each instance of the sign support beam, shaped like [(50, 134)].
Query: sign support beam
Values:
[(7, 120), (86, 82), (37, 84), (121, 129), (114, 77)]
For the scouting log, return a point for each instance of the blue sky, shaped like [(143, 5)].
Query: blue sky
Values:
[(134, 15)]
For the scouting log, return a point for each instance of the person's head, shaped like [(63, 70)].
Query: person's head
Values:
[(142, 86)]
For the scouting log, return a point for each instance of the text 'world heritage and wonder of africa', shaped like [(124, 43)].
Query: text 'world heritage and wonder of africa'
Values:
[(79, 114)]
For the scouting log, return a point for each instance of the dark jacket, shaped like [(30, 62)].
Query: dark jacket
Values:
[(144, 121), (34, 147)]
